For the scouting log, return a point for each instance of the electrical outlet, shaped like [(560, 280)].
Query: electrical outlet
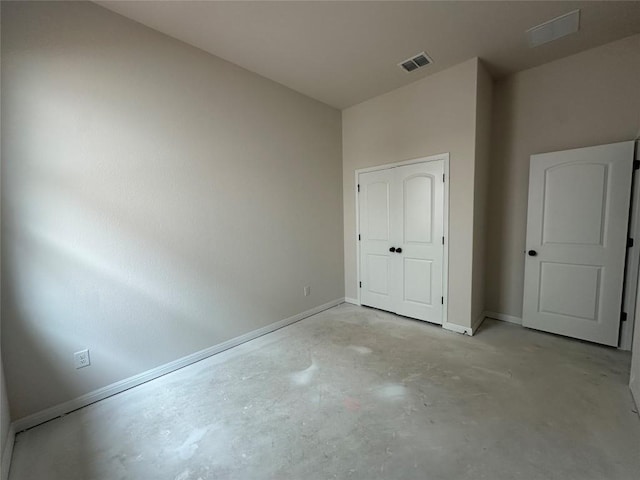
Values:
[(307, 291), (81, 359)]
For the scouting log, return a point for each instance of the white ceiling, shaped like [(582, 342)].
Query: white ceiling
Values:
[(342, 52)]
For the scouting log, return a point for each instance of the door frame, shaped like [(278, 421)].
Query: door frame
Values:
[(445, 215), (631, 281)]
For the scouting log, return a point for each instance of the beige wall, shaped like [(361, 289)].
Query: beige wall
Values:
[(5, 416), (481, 182), (586, 99), (156, 200), (434, 115)]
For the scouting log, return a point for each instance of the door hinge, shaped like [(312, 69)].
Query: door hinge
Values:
[(636, 164), (358, 236), (441, 300), (358, 188), (623, 316), (629, 242), (443, 240), (443, 177), (360, 284)]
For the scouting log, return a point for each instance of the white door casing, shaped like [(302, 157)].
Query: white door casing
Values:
[(403, 208), (577, 220)]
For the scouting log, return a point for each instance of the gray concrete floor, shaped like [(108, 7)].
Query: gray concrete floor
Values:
[(358, 393)]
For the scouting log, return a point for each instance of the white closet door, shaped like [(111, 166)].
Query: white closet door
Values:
[(576, 241), (375, 233), (401, 213), (417, 224)]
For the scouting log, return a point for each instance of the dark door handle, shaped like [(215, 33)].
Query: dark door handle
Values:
[(398, 250), (392, 249), (532, 253)]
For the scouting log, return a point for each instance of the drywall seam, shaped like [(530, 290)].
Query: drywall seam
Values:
[(8, 452), (503, 317), (118, 387)]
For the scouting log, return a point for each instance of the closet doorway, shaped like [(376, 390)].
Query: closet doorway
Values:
[(402, 237)]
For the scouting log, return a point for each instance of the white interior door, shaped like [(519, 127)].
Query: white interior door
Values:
[(577, 220), (417, 226), (401, 239), (376, 239)]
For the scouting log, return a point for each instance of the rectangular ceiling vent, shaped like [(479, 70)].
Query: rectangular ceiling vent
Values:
[(554, 29), (416, 62)]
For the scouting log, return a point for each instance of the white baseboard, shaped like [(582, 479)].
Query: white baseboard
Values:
[(504, 317), (7, 452), (352, 301), (635, 394), (454, 327), (477, 322), (104, 392)]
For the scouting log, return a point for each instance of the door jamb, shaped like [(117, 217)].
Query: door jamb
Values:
[(631, 282), (445, 215)]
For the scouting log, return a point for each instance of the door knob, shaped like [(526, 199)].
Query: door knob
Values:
[(532, 253), (398, 250), (392, 249)]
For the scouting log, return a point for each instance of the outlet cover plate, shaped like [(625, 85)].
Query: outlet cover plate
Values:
[(81, 359)]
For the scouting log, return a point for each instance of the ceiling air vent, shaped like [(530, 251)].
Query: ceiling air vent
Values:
[(554, 29), (414, 63)]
